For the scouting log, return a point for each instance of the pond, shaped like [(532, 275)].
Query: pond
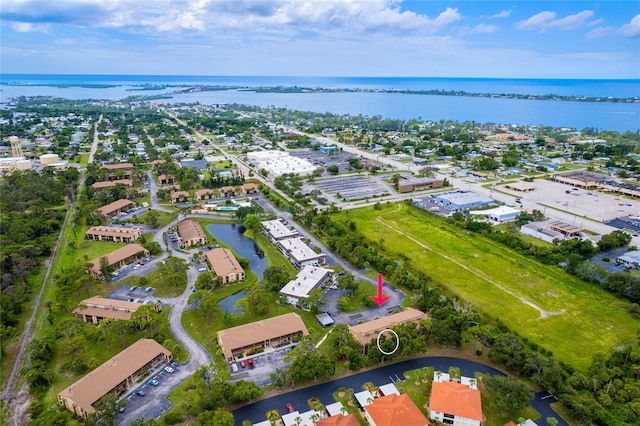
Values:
[(245, 247), (228, 303)]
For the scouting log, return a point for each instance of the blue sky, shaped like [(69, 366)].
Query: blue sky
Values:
[(561, 39)]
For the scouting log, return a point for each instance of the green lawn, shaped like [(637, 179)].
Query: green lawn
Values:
[(345, 396), (577, 320), (418, 387), (360, 299)]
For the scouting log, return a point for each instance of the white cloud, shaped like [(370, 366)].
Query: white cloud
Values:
[(599, 32), (28, 27), (593, 56), (547, 19), (479, 29), (632, 29), (291, 17), (502, 14)]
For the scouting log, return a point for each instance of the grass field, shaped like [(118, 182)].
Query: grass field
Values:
[(573, 319)]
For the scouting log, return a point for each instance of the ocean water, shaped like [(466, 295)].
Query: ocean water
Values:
[(610, 116)]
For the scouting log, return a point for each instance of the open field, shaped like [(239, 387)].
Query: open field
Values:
[(573, 319)]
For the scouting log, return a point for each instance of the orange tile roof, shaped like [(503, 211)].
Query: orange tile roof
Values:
[(339, 420), (457, 399), (394, 410), (90, 388)]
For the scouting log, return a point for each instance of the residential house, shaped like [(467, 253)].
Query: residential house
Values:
[(394, 410), (191, 234), (114, 234), (118, 258), (224, 264)]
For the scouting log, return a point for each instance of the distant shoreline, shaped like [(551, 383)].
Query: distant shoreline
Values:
[(194, 88)]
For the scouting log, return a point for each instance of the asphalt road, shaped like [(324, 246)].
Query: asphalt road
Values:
[(324, 392)]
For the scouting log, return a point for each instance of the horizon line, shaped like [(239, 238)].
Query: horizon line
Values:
[(319, 76)]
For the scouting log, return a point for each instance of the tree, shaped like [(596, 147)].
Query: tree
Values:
[(222, 417), (245, 390), (252, 221), (333, 169), (510, 394), (552, 421), (105, 269)]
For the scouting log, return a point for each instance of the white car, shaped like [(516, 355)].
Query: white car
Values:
[(169, 369)]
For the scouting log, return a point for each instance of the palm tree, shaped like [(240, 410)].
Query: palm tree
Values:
[(298, 420)]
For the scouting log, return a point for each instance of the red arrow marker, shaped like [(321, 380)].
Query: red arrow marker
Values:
[(380, 299)]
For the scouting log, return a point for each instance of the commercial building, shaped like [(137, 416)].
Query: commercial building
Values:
[(299, 253), (370, 330), (46, 159), (499, 214), (115, 234), (630, 258), (95, 309), (415, 184), (272, 332), (114, 376), (521, 186), (458, 201), (112, 183), (116, 207), (453, 403), (119, 258), (224, 264), (394, 410), (278, 163), (308, 279), (276, 230), (191, 234)]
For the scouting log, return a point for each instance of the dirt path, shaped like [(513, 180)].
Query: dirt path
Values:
[(543, 313)]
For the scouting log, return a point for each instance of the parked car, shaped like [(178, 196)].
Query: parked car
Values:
[(243, 364), (154, 382), (250, 363), (234, 367), (289, 408), (169, 369), (140, 392)]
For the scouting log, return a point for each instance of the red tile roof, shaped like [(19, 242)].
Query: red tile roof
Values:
[(457, 399), (339, 420), (395, 410)]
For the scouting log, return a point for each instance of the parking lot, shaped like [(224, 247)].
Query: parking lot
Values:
[(352, 187), (596, 205), (149, 397), (132, 294), (321, 159), (264, 364)]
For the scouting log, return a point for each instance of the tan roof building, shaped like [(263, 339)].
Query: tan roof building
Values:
[(204, 194), (95, 309), (111, 183), (370, 330), (235, 341), (113, 376), (114, 234), (191, 234), (521, 186), (224, 264), (118, 258), (180, 196), (118, 166), (116, 207)]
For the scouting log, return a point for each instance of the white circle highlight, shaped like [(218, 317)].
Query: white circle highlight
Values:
[(397, 341)]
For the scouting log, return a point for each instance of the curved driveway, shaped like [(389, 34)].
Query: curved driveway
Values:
[(324, 392)]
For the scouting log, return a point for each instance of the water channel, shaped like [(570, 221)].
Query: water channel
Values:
[(245, 247)]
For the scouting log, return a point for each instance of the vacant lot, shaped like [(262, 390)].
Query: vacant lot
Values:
[(573, 319)]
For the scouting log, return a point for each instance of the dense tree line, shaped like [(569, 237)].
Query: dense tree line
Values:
[(574, 254), (32, 214)]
